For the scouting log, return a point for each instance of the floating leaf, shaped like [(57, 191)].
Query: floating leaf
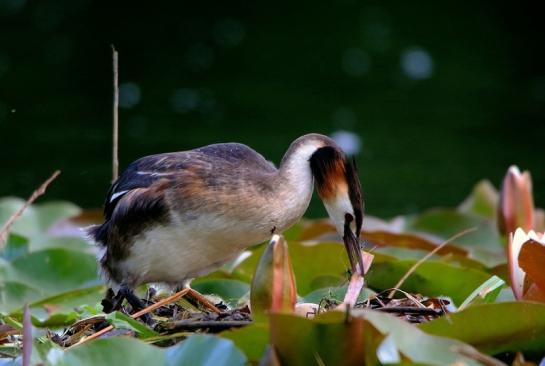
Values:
[(16, 246), (56, 320), (252, 339), (37, 218), (316, 228), (335, 293), (487, 292), (120, 320), (484, 244), (54, 270), (108, 351), (412, 241), (430, 278), (495, 328), (59, 310), (13, 295), (195, 350), (327, 339), (204, 350), (444, 223), (228, 290), (482, 201), (419, 347), (327, 268), (44, 273)]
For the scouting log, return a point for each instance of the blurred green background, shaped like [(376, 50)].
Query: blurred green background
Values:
[(439, 94)]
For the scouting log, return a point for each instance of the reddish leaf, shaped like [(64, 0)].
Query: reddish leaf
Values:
[(384, 238), (329, 339), (532, 261), (534, 293), (315, 229)]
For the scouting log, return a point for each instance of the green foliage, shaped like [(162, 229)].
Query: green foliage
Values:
[(57, 277), (252, 340), (487, 292), (431, 278), (228, 290), (418, 346), (495, 328), (123, 321), (205, 350)]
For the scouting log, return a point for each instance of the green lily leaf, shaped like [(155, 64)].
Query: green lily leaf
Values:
[(430, 278), (16, 246), (195, 350), (44, 273), (205, 350), (328, 267), (60, 310), (487, 292), (54, 270), (335, 293), (328, 339), (418, 347), (37, 218), (495, 328), (56, 320), (482, 201), (484, 244), (445, 223), (252, 340), (13, 295), (120, 320), (229, 290), (108, 351)]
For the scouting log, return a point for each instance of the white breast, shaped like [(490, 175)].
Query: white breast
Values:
[(181, 251)]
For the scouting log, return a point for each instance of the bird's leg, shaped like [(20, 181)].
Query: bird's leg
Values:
[(113, 302), (135, 303)]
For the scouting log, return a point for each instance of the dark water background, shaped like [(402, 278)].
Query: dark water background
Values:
[(441, 94)]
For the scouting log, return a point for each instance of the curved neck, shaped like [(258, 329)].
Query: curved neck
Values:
[(295, 168), (294, 183)]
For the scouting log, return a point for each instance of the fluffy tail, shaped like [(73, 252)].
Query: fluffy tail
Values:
[(98, 233)]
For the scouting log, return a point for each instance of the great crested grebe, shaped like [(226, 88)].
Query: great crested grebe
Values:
[(172, 217)]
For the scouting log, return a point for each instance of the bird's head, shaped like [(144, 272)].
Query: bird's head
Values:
[(339, 187)]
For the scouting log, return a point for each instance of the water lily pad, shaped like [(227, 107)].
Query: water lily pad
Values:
[(416, 346), (430, 278), (495, 328), (228, 290)]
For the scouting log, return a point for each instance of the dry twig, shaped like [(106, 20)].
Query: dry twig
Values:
[(115, 158), (37, 193), (213, 325), (158, 304)]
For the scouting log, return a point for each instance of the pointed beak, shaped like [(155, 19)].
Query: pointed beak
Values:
[(352, 245)]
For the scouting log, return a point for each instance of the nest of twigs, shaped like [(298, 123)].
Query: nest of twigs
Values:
[(176, 320)]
